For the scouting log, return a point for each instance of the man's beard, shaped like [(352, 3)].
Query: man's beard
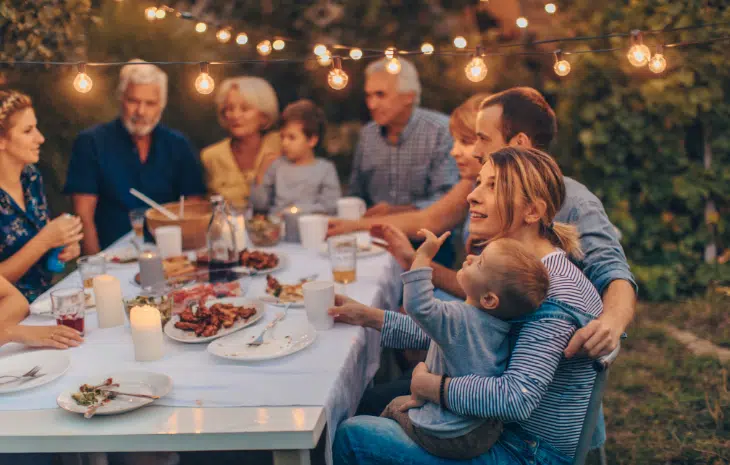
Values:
[(140, 130)]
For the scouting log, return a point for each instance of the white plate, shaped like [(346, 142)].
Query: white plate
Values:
[(270, 299), (43, 307), (133, 382), (371, 250), (53, 363), (283, 262), (121, 255), (289, 336), (190, 337)]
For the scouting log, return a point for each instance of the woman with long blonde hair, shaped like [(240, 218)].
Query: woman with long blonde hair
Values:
[(541, 397)]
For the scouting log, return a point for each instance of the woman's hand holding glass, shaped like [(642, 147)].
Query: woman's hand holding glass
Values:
[(62, 231), (350, 311)]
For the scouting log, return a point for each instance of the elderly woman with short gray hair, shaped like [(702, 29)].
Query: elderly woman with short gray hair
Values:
[(247, 109)]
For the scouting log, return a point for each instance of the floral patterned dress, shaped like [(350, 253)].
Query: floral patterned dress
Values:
[(18, 227)]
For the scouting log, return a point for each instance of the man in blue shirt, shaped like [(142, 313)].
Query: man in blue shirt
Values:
[(133, 151), (402, 159)]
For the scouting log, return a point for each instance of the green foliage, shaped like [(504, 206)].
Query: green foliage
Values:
[(638, 139)]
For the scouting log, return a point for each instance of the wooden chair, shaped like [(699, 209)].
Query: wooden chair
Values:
[(594, 406)]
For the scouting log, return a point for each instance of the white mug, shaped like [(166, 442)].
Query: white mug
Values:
[(169, 241), (312, 230), (351, 208), (319, 296)]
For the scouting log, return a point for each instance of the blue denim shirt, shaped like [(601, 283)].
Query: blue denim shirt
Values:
[(604, 259)]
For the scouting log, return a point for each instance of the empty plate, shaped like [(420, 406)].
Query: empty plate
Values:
[(52, 363)]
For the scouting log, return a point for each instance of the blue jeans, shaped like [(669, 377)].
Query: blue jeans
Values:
[(368, 440)]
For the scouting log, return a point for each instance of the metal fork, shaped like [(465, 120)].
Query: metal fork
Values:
[(260, 340), (32, 373)]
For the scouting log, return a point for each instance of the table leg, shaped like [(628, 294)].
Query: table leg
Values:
[(292, 457)]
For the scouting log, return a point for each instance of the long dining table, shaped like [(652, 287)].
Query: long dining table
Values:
[(283, 405)]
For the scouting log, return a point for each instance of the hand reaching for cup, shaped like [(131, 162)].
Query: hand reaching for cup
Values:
[(62, 231)]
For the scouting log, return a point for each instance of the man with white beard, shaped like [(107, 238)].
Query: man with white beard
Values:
[(133, 151)]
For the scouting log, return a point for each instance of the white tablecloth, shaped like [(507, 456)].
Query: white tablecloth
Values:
[(333, 372)]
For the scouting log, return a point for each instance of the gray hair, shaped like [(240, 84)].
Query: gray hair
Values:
[(142, 74), (256, 91), (407, 78)]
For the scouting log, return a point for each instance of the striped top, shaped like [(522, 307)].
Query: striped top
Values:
[(540, 389)]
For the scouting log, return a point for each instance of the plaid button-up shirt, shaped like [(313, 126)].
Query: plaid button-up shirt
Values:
[(417, 170)]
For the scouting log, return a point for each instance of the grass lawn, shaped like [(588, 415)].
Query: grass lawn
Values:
[(664, 405)]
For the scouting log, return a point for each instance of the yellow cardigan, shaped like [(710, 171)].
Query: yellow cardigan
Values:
[(224, 177)]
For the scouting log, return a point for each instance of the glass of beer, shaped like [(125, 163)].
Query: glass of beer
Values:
[(89, 268), (136, 217), (343, 258), (69, 308)]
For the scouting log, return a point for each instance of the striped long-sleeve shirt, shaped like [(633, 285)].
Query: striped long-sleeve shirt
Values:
[(543, 391)]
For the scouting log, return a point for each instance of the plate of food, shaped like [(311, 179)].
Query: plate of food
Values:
[(258, 261), (364, 250), (216, 318), (175, 268), (121, 255), (282, 293), (115, 393), (289, 336), (200, 293), (28, 370)]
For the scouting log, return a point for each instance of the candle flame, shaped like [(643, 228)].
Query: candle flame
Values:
[(294, 209)]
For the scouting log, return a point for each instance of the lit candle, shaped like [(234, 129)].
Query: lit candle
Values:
[(291, 224), (146, 333), (150, 269), (109, 304)]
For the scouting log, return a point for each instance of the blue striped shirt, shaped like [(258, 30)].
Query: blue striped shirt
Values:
[(541, 390), (418, 170)]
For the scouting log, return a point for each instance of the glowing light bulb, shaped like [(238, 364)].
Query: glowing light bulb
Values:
[(325, 59), (561, 67), (522, 22), (320, 49), (551, 8), (223, 35), (657, 63), (204, 83), (242, 38), (160, 13), (639, 55), (355, 53), (476, 70), (83, 83), (337, 79), (393, 66), (150, 13), (264, 48), (389, 52), (459, 42), (201, 27), (279, 44), (427, 49)]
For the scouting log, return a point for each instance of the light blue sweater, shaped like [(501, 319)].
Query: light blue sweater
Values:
[(465, 340)]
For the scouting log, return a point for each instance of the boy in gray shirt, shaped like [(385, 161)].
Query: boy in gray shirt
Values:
[(298, 178), (505, 281)]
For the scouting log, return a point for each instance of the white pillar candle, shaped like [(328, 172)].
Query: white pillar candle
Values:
[(146, 333), (109, 303), (240, 225)]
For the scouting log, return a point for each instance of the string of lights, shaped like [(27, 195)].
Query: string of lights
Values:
[(476, 70)]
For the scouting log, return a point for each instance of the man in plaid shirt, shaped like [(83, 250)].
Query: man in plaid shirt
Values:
[(402, 159)]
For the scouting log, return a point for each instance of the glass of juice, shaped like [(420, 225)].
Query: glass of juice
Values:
[(136, 217), (343, 258), (69, 307)]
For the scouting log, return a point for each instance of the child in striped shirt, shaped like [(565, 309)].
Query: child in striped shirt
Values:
[(504, 282)]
